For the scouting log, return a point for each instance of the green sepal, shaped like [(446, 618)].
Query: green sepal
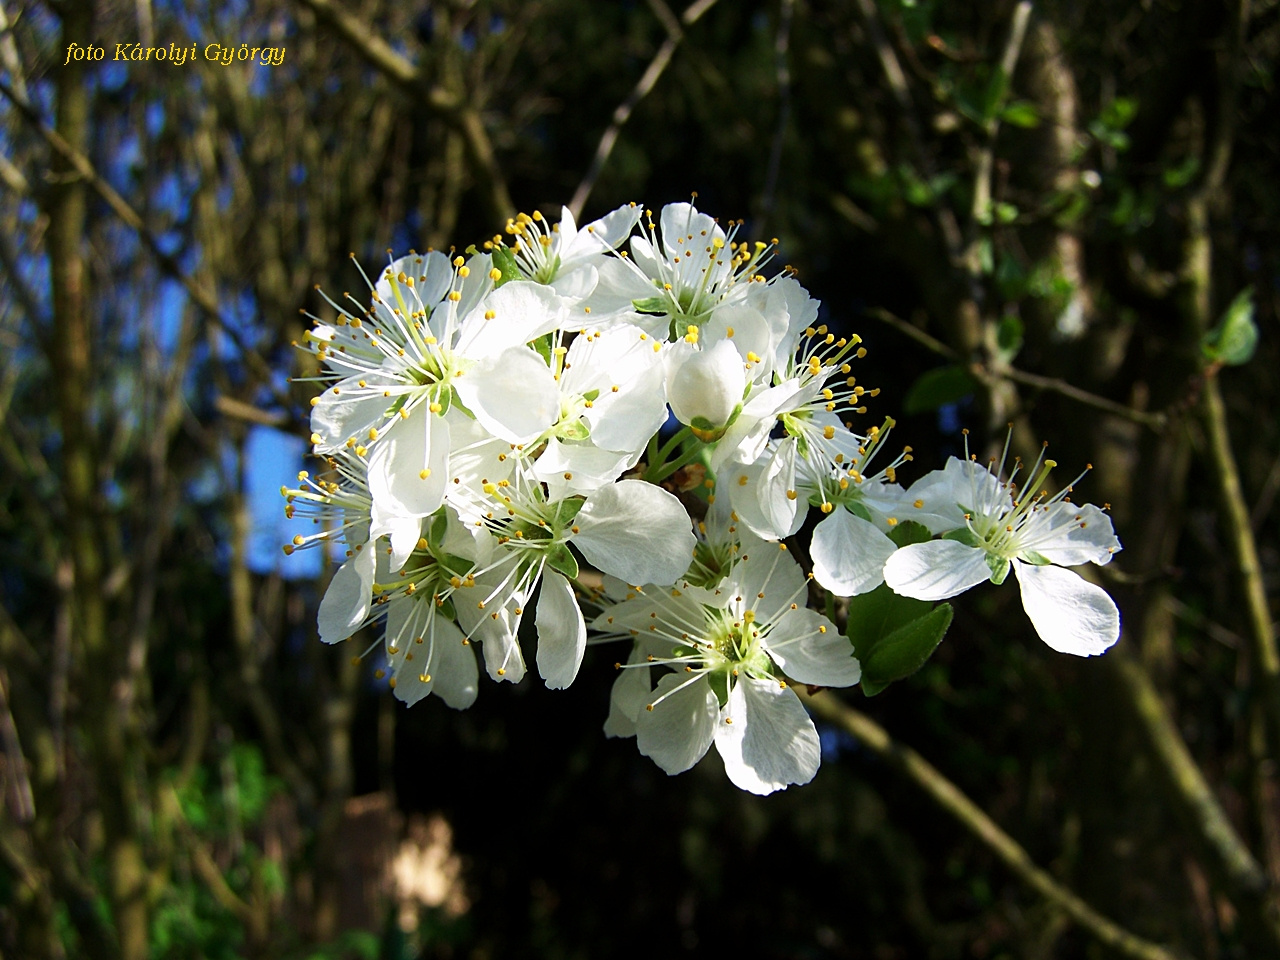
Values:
[(905, 650), (908, 532), (447, 609), (963, 535), (561, 560), (505, 261), (859, 510), (591, 395), (1039, 559), (543, 347), (999, 568), (396, 404), (436, 532), (567, 509), (573, 430), (654, 305)]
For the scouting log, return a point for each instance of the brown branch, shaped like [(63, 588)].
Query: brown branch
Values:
[(948, 796), (451, 105), (648, 80), (1154, 421), (122, 209), (1230, 857)]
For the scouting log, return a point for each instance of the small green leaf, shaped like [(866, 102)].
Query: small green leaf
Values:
[(1009, 336), (591, 395), (1235, 338), (1182, 174), (908, 532), (1006, 212), (1021, 113), (1119, 113), (561, 560), (937, 387), (505, 261), (543, 346), (906, 649)]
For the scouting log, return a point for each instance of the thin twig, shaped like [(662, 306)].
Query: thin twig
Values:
[(897, 79), (930, 343), (1193, 792), (1155, 421), (451, 105), (980, 209), (947, 795), (648, 80), (199, 295), (1244, 548)]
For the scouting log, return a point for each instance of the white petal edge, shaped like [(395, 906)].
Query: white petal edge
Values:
[(1069, 613), (766, 738), (936, 570), (562, 634)]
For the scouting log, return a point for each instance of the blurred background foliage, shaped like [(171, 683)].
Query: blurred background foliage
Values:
[(1050, 217)]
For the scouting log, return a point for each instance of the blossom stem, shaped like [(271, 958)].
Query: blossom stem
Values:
[(660, 472)]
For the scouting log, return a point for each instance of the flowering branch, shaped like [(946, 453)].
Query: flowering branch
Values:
[(948, 796)]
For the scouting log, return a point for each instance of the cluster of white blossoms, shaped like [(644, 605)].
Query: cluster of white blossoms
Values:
[(621, 425)]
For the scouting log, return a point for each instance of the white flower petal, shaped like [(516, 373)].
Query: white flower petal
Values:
[(578, 468), (522, 312), (347, 601), (453, 666), (408, 469), (799, 646), (1071, 614), (771, 743), (849, 554), (635, 531), (513, 394), (936, 570), (707, 385), (1081, 534), (631, 692), (679, 729), (562, 634)]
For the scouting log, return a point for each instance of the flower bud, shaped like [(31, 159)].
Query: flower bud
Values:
[(705, 390)]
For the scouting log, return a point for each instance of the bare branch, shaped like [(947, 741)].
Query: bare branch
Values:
[(648, 80), (948, 796)]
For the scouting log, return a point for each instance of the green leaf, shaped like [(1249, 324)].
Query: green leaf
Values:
[(1235, 338), (1021, 113), (905, 650), (561, 560), (1119, 113), (1182, 174), (505, 261), (908, 532), (997, 86), (937, 387), (875, 615), (1009, 336), (1005, 212)]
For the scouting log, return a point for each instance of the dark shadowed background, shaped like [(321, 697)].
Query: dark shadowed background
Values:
[(1062, 217)]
